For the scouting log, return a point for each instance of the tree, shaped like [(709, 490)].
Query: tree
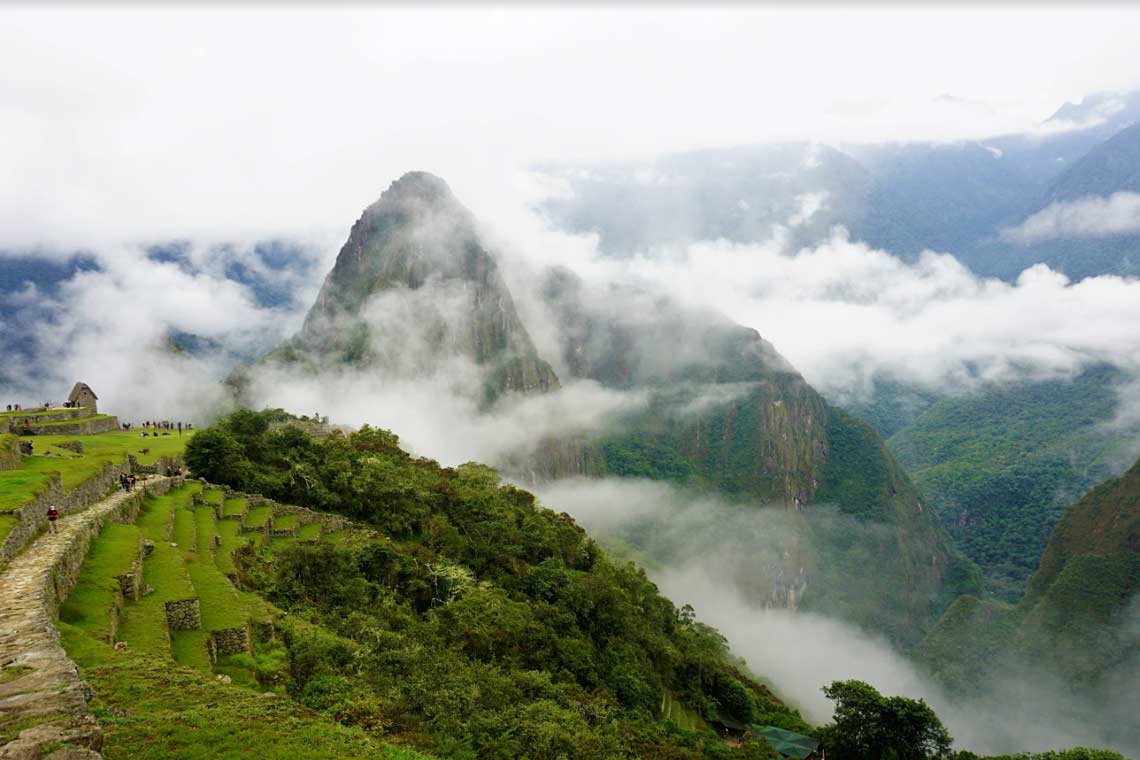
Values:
[(869, 726)]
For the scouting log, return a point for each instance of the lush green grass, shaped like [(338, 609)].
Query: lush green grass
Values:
[(232, 539), (19, 485), (88, 606), (57, 423), (285, 522), (150, 710), (144, 625), (234, 506), (258, 516), (309, 532), (7, 522), (213, 496), (675, 711)]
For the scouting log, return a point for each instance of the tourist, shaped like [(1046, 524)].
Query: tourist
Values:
[(179, 428), (52, 515)]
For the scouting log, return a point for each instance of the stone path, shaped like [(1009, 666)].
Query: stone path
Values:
[(46, 702)]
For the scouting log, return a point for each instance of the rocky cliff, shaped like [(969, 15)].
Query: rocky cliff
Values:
[(414, 285)]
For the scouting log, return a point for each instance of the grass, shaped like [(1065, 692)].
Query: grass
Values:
[(674, 710), (7, 522), (232, 539), (258, 517), (309, 532), (234, 506), (20, 485), (285, 522), (149, 710), (88, 606), (213, 496), (74, 421), (144, 625)]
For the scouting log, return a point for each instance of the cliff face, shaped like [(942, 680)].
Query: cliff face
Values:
[(414, 283), (728, 413), (1080, 617)]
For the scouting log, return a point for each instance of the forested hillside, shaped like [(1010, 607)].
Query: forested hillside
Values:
[(481, 624), (1000, 464)]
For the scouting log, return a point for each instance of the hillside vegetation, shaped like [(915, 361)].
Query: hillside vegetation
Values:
[(1001, 464), (479, 624)]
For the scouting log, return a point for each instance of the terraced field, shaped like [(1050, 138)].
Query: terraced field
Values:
[(161, 668)]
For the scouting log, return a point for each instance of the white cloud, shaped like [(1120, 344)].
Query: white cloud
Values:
[(1089, 217), (123, 124)]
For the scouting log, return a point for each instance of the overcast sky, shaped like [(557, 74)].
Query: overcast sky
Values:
[(123, 125)]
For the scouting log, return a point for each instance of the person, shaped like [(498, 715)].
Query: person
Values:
[(180, 428), (52, 515)]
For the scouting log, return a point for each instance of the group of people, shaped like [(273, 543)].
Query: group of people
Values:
[(13, 407), (127, 481), (165, 425)]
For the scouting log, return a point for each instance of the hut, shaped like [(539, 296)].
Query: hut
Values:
[(83, 396)]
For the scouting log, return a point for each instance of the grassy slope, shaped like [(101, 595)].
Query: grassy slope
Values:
[(1001, 464), (19, 485), (88, 606), (150, 709)]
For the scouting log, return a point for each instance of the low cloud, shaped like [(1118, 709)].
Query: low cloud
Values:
[(713, 554), (1090, 217)]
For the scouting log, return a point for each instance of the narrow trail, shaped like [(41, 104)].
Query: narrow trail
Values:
[(42, 699)]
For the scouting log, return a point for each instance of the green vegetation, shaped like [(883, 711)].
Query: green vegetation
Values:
[(1000, 465), (234, 507), (869, 726), (258, 517), (90, 604), (485, 626), (151, 710), (285, 522), (22, 484)]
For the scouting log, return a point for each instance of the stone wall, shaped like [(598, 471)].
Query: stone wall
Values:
[(183, 615), (231, 641), (14, 423), (76, 427), (33, 518), (93, 489), (10, 457)]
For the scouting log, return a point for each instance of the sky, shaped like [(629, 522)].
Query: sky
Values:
[(123, 125)]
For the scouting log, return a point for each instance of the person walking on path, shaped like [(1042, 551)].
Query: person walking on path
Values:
[(52, 515)]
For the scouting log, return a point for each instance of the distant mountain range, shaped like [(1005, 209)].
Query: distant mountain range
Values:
[(958, 198)]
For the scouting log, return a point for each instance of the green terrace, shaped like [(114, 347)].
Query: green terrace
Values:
[(165, 682), (20, 485)]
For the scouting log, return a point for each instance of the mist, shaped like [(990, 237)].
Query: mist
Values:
[(707, 552)]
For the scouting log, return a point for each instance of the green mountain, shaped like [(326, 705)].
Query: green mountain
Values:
[(464, 618), (414, 289), (1080, 617), (727, 413), (413, 282), (1000, 464)]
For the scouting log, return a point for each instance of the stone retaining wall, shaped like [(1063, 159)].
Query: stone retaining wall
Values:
[(14, 423), (183, 615), (10, 457), (77, 427), (231, 641), (33, 518)]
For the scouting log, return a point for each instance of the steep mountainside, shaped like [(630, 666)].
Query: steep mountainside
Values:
[(727, 412), (1001, 463), (1080, 617), (414, 282)]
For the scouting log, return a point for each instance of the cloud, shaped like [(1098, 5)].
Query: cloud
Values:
[(254, 121), (1089, 217), (714, 555)]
